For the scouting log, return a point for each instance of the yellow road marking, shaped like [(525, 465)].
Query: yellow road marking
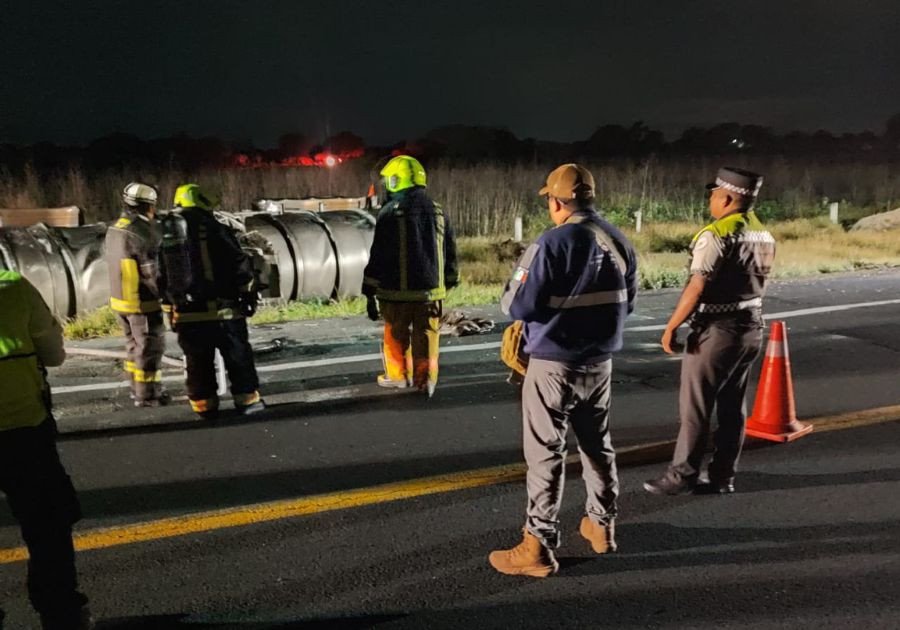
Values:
[(276, 510)]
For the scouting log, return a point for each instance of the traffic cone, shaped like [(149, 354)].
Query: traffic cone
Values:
[(774, 413)]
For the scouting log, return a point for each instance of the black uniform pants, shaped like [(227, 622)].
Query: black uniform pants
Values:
[(199, 341), (145, 343), (41, 498), (715, 369)]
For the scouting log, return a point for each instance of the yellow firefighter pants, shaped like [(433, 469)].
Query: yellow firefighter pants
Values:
[(411, 341)]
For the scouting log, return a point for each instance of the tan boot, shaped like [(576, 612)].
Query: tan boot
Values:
[(601, 537), (529, 557)]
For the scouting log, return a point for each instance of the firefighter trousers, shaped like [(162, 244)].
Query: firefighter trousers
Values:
[(715, 369), (199, 341), (145, 343), (411, 341), (41, 498)]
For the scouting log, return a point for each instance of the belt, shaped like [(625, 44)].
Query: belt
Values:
[(730, 307)]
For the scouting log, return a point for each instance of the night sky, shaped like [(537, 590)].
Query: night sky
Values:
[(75, 70)]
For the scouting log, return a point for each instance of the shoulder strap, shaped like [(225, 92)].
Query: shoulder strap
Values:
[(604, 240)]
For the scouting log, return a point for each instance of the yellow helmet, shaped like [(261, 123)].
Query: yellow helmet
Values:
[(190, 196), (403, 172)]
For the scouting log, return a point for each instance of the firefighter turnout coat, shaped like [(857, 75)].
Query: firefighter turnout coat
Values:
[(413, 255), (132, 247)]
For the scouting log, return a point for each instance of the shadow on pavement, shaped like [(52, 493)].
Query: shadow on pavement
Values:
[(191, 622), (474, 389)]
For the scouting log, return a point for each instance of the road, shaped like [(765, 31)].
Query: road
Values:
[(809, 539)]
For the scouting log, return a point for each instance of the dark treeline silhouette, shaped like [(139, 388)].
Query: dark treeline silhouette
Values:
[(458, 144)]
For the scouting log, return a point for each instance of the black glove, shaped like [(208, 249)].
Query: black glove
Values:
[(372, 308), (247, 303)]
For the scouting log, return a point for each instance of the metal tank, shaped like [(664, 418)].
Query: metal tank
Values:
[(300, 253), (314, 254)]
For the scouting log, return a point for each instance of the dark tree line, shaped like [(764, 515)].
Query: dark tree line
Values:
[(457, 143)]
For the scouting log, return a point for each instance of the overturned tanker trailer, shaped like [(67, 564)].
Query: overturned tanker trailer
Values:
[(301, 248)]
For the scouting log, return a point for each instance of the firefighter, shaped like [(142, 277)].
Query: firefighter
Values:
[(132, 247), (207, 288), (731, 258), (37, 488), (411, 266)]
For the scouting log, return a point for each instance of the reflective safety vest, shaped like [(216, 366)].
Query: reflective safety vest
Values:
[(736, 254), (23, 400), (132, 246)]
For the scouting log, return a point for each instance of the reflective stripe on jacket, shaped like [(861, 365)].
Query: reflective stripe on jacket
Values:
[(29, 337), (573, 288), (413, 254), (132, 247)]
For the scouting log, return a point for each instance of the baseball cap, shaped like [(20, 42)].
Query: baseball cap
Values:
[(568, 182)]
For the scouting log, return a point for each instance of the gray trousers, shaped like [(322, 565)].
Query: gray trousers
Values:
[(714, 372), (555, 395)]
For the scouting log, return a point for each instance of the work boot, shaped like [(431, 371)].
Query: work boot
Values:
[(252, 408), (384, 381), (716, 486), (160, 401), (529, 557), (427, 388), (667, 484), (601, 537)]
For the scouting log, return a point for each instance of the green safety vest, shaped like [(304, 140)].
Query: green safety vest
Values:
[(22, 385)]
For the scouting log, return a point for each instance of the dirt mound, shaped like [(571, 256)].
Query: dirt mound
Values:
[(882, 221)]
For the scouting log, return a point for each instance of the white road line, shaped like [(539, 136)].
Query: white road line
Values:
[(490, 345)]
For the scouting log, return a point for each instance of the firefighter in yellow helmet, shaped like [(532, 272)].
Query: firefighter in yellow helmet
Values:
[(411, 266), (132, 248), (207, 287), (38, 490)]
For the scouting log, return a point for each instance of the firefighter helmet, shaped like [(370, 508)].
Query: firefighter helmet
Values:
[(136, 193), (403, 172), (191, 196)]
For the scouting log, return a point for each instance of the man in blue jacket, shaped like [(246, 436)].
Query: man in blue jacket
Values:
[(573, 288)]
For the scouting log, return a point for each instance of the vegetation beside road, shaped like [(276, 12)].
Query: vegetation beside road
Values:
[(805, 247)]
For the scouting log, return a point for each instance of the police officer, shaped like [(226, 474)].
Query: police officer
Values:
[(573, 288), (132, 248), (37, 488), (207, 288), (730, 261), (411, 266)]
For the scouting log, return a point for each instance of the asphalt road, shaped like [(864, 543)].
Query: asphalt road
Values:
[(810, 539)]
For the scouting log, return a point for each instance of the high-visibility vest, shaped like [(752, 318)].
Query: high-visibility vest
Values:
[(22, 386)]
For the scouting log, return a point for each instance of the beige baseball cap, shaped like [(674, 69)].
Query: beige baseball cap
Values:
[(569, 181)]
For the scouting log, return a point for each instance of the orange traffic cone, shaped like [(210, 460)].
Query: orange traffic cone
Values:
[(774, 413)]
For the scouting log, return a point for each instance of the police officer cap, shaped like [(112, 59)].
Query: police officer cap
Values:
[(737, 180)]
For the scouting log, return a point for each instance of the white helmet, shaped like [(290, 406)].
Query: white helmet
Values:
[(136, 193)]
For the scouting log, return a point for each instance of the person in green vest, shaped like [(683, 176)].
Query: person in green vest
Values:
[(37, 488), (731, 259)]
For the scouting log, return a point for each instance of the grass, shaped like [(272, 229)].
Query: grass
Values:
[(100, 323), (805, 247)]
